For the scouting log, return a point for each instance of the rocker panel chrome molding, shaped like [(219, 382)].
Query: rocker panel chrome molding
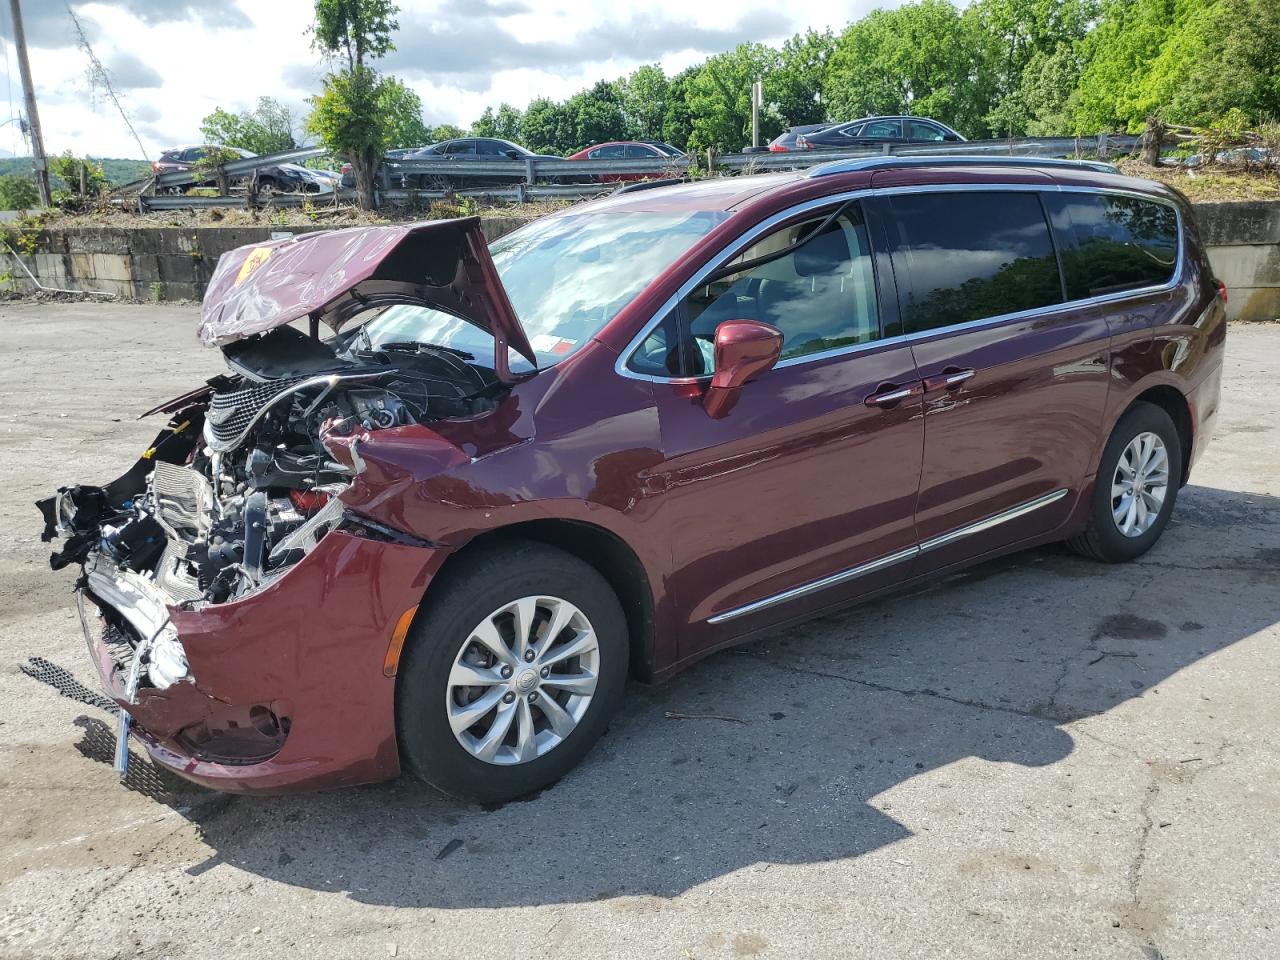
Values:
[(879, 564)]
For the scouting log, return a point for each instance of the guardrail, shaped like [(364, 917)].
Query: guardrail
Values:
[(238, 168), (527, 178), (531, 170)]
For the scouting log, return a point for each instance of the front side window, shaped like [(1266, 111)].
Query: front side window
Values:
[(566, 276), (613, 151), (821, 295), (968, 256), (923, 131), (1115, 243), (641, 151)]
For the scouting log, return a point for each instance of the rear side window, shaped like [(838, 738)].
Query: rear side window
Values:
[(883, 128), (966, 256), (1114, 243)]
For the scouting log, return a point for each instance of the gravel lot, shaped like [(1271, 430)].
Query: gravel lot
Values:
[(1042, 757)]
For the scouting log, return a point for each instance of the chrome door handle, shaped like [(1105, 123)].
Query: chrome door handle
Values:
[(890, 394), (948, 380)]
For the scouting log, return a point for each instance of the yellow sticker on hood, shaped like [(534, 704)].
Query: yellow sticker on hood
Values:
[(256, 258)]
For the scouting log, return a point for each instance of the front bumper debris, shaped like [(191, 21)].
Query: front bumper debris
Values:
[(282, 689)]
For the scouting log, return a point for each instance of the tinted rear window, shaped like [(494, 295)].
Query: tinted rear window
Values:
[(965, 256), (1114, 243)]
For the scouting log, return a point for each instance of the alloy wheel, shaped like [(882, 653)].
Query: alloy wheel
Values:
[(523, 680), (1140, 484)]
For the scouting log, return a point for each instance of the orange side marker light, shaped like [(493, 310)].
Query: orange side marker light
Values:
[(392, 661)]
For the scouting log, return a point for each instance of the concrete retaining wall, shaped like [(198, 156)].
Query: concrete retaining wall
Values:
[(172, 263), (1244, 247)]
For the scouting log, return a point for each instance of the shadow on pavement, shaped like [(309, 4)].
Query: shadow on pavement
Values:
[(985, 664)]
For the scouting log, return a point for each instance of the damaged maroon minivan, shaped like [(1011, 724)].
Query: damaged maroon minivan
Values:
[(449, 495)]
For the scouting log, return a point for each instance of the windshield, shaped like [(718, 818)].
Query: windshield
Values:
[(566, 276)]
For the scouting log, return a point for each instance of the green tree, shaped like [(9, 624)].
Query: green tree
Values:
[(1225, 55), (346, 116), (597, 117), (445, 131), (268, 128), (72, 171), (18, 193), (919, 59), (719, 97), (546, 126), (504, 124), (401, 109), (1007, 36), (1118, 55), (646, 94), (677, 124), (796, 86)]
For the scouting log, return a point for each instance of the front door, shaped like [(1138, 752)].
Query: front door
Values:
[(1015, 378), (804, 494)]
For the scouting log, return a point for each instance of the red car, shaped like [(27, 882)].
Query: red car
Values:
[(628, 150), (625, 436)]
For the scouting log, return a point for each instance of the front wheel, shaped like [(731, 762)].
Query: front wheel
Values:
[(1135, 488), (511, 674)]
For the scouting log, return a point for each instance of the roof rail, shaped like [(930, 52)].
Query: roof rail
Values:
[(649, 185), (883, 162)]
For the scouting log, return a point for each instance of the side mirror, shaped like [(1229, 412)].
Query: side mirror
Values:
[(744, 349), (512, 155), (951, 138)]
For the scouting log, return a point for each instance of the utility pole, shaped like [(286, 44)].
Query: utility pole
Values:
[(38, 159), (757, 100)]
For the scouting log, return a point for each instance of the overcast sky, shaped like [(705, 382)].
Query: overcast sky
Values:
[(173, 61)]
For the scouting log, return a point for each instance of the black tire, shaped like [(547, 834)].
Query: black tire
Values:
[(265, 188), (1102, 539), (479, 584)]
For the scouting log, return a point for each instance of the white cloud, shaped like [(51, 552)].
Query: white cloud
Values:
[(175, 61)]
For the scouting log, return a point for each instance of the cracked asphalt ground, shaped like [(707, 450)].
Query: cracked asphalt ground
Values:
[(1042, 757)]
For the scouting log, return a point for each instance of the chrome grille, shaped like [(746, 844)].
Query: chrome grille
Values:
[(230, 411)]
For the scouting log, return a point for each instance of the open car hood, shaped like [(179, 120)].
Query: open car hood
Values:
[(333, 275)]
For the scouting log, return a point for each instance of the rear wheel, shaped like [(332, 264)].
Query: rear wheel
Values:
[(1135, 488), (512, 674)]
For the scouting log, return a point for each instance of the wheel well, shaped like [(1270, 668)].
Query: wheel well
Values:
[(603, 551), (1172, 402)]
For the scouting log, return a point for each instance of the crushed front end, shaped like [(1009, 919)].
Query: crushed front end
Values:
[(245, 620), (238, 614)]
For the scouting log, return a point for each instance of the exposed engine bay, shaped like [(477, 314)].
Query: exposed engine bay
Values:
[(240, 485)]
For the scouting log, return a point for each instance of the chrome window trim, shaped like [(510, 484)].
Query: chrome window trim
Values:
[(743, 241), (871, 566)]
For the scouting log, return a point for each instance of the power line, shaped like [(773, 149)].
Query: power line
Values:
[(99, 76)]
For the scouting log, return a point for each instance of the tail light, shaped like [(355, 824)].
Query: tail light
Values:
[(777, 148), (347, 168), (155, 166), (1222, 290)]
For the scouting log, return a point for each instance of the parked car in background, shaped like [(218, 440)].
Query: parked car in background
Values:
[(870, 131), (619, 439), (464, 149), (627, 150), (787, 140), (277, 178)]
